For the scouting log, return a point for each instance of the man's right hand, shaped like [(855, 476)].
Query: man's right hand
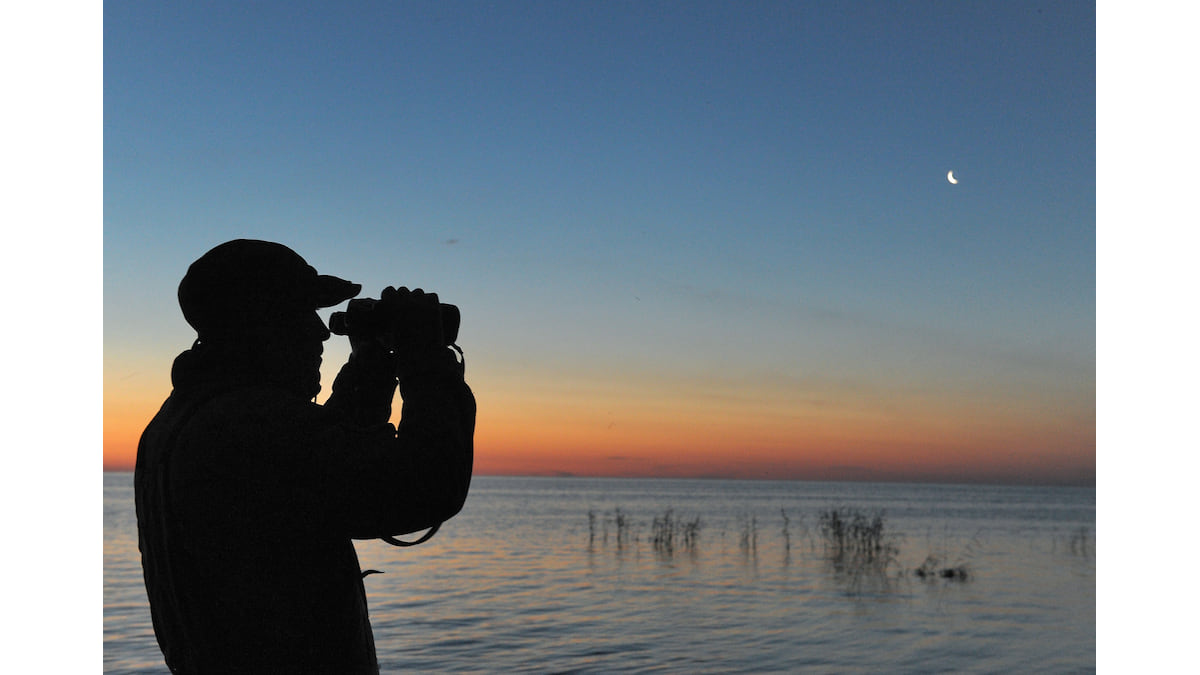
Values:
[(416, 334)]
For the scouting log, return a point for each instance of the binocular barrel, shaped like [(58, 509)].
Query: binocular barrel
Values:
[(364, 317)]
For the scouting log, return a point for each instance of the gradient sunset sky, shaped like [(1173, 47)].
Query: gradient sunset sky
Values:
[(687, 239)]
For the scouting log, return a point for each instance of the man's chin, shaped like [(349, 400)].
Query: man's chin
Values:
[(313, 388)]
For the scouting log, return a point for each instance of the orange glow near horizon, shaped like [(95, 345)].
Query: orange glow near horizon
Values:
[(651, 431), (127, 411)]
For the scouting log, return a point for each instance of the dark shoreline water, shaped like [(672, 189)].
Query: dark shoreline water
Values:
[(564, 574)]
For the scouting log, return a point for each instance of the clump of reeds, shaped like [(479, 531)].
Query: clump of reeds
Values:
[(618, 520), (622, 523), (859, 548), (668, 531), (1078, 543), (801, 530), (748, 539), (787, 539), (853, 534)]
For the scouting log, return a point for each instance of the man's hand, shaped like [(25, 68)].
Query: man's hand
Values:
[(417, 319), (408, 334)]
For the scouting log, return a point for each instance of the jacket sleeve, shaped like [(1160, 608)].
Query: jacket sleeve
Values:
[(392, 480)]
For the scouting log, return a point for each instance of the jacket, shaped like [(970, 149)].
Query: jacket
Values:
[(248, 497)]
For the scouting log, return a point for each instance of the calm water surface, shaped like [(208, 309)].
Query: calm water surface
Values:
[(567, 575)]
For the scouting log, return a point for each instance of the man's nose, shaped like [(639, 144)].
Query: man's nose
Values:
[(318, 328)]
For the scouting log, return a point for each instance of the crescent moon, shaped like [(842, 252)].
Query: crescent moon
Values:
[(950, 177)]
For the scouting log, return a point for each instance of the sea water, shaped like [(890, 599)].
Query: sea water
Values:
[(681, 576)]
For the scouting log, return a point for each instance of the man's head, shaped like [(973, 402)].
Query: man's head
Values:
[(261, 297)]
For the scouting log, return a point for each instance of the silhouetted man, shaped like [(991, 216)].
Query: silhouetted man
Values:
[(249, 493)]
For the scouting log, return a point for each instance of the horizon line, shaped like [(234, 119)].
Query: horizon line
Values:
[(1031, 482)]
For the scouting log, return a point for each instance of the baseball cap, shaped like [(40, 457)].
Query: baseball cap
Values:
[(240, 279)]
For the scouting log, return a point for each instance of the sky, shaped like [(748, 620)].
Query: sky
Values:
[(697, 239)]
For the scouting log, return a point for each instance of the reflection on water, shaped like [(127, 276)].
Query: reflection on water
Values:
[(685, 576)]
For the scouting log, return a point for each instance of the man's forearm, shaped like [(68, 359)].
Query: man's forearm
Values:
[(437, 428)]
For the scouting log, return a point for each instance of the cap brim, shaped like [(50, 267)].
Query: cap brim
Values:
[(331, 290)]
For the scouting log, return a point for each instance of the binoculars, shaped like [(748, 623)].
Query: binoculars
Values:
[(368, 317)]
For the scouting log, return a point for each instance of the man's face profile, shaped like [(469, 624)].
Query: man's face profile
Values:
[(289, 342)]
